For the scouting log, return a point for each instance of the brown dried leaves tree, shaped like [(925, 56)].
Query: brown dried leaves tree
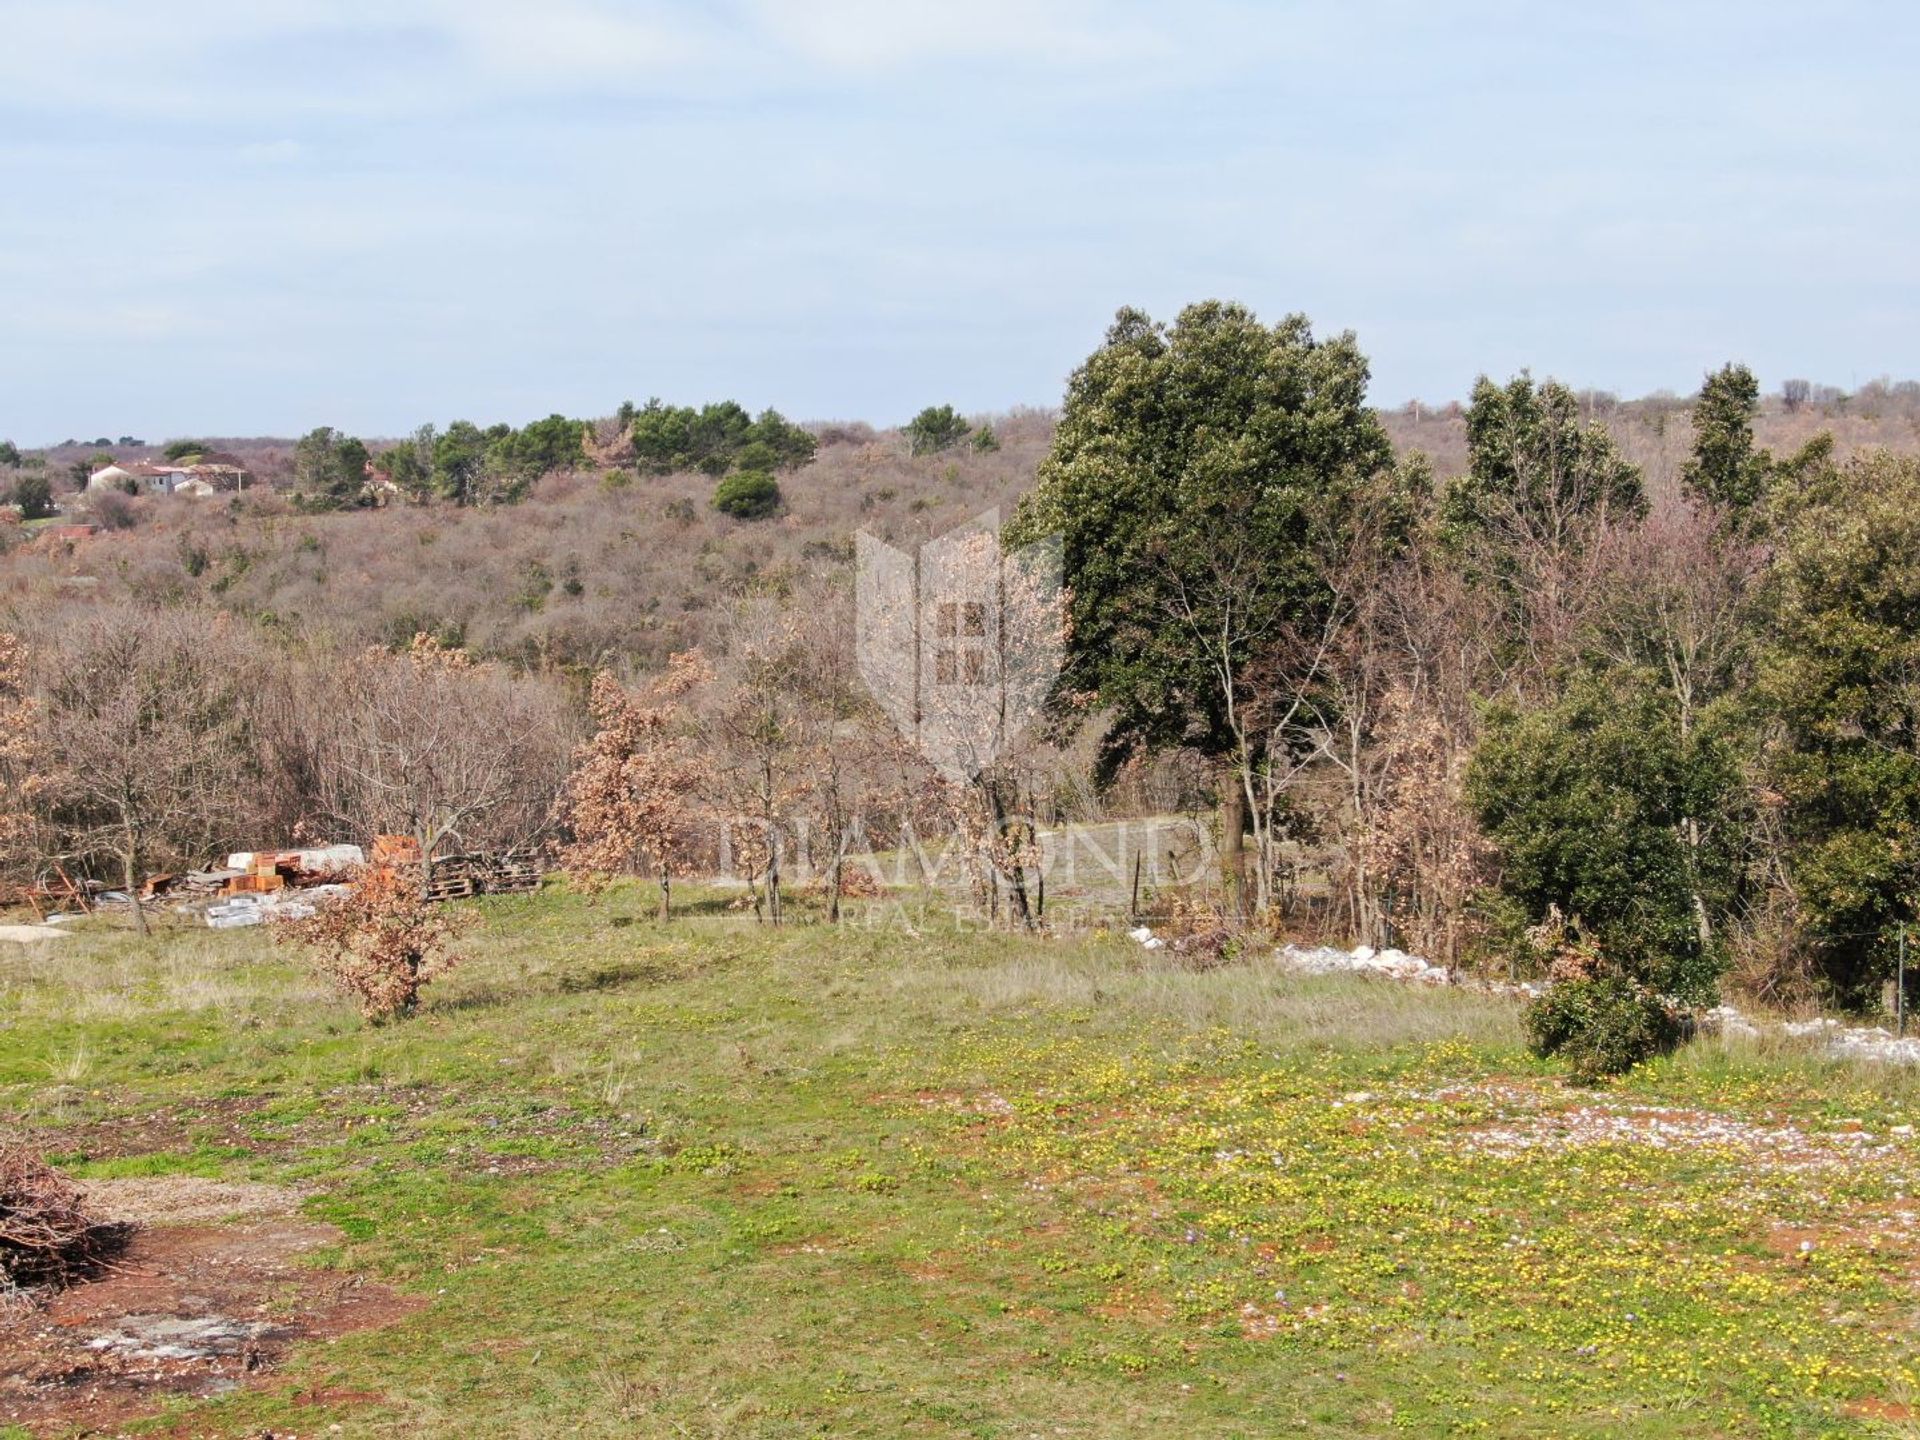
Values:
[(380, 942), (630, 801)]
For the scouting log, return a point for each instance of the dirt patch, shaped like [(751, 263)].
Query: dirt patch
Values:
[(185, 1200), (1873, 1408), (1138, 1306), (191, 1309)]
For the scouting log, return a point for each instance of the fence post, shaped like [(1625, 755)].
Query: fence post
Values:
[(1900, 986)]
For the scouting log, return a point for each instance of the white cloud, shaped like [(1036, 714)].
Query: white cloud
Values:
[(556, 43), (272, 152), (876, 34)]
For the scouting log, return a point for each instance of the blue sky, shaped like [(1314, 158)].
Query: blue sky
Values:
[(250, 217)]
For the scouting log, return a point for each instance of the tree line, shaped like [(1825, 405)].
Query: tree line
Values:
[(1536, 713), (1541, 713)]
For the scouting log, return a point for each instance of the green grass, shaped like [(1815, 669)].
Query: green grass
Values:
[(900, 1178)]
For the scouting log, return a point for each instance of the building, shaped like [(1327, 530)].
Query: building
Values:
[(143, 477)]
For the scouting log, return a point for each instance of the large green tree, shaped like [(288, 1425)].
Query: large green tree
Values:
[(1725, 470), (1839, 685), (1195, 468), (1536, 473)]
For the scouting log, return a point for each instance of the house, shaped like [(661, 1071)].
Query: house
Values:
[(144, 477), (112, 477), (139, 476)]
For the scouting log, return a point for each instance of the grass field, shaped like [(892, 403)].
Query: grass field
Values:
[(710, 1179)]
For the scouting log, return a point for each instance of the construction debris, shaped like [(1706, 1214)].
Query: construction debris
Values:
[(254, 886), (322, 862)]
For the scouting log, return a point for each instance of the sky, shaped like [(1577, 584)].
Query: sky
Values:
[(250, 217)]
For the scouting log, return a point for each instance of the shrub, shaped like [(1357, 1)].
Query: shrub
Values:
[(34, 495), (1590, 801), (380, 942), (936, 428), (749, 495), (1602, 1026)]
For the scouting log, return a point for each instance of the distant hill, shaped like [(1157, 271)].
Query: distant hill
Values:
[(605, 567)]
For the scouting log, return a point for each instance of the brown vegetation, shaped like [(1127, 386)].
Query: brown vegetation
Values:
[(381, 941), (48, 1236)]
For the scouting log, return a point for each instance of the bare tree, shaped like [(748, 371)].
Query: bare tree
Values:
[(432, 744), (757, 727), (26, 780), (148, 717)]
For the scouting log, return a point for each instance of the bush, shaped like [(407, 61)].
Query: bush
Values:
[(936, 428), (748, 495), (1603, 1026), (381, 941), (34, 495)]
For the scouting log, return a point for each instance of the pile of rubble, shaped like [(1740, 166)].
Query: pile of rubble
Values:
[(252, 887), (1859, 1042), (1854, 1042)]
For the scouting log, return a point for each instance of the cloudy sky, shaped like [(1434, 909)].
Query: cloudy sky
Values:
[(255, 216)]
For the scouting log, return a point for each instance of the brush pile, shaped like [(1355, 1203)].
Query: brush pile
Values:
[(47, 1235)]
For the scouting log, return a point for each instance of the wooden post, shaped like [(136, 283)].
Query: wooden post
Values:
[(1900, 986)]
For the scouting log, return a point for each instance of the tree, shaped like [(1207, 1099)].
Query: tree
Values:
[(1839, 687), (409, 465), (757, 723), (1531, 519), (459, 461), (1190, 471), (1588, 801), (146, 714), (329, 468), (936, 428), (789, 446), (34, 495), (9, 453), (851, 760), (629, 800), (747, 495), (381, 941), (1725, 470), (432, 744), (26, 770), (181, 449), (670, 439), (1534, 470), (543, 448)]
